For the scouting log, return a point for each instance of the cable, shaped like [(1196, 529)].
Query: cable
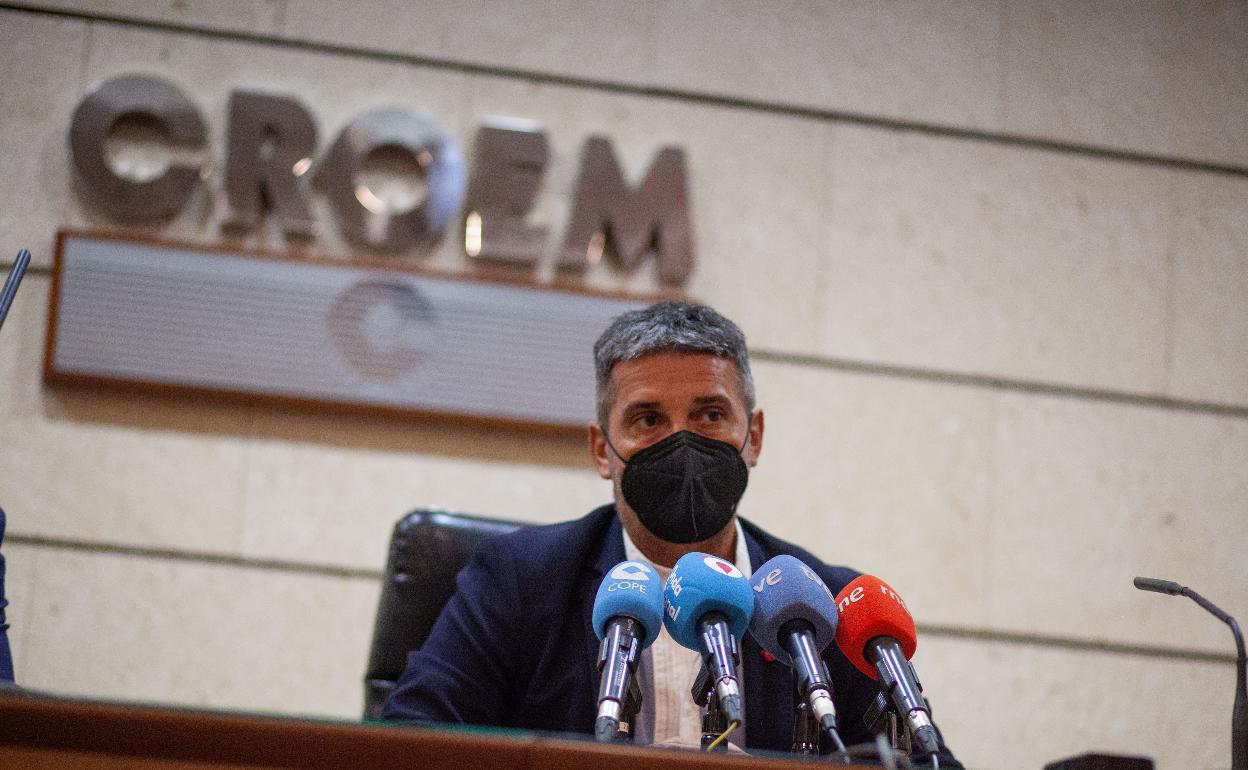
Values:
[(723, 736)]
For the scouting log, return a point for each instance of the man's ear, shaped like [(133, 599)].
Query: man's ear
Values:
[(599, 452), (755, 444)]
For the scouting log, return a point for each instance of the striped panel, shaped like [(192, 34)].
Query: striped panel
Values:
[(228, 322)]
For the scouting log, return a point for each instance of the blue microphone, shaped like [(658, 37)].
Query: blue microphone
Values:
[(795, 620), (707, 605), (628, 614)]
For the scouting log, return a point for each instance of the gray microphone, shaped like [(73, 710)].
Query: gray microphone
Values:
[(1239, 712), (795, 620)]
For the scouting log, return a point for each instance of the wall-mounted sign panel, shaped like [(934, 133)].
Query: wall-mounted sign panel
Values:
[(176, 317)]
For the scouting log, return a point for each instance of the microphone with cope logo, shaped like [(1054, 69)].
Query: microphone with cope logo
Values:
[(707, 606), (795, 620), (877, 635), (628, 614)]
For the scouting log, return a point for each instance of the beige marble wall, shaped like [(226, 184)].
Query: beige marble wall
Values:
[(1022, 263), (1151, 75), (1017, 498), (1005, 511), (256, 16), (106, 626), (1033, 704), (1147, 76), (42, 60)]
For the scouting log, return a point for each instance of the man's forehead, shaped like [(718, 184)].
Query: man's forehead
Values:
[(663, 362), (645, 401), (688, 376)]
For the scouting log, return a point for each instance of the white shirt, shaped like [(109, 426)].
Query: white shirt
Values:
[(677, 719)]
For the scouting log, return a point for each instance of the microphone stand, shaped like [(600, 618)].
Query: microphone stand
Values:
[(628, 714), (808, 733), (1239, 712), (805, 726), (715, 720), (894, 738), (881, 719)]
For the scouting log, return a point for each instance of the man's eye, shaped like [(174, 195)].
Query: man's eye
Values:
[(714, 415), (647, 420)]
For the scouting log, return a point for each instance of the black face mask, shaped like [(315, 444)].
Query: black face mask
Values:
[(686, 487)]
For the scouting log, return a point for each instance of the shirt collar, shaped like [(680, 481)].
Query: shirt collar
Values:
[(742, 558)]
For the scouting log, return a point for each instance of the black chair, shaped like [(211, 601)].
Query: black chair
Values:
[(428, 548)]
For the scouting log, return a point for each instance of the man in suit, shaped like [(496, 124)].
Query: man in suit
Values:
[(677, 431)]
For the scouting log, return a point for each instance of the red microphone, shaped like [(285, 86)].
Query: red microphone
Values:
[(877, 634)]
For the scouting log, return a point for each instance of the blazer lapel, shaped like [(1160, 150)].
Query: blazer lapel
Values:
[(768, 682)]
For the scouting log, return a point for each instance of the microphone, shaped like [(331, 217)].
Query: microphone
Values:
[(1239, 711), (795, 620), (12, 282), (628, 613), (707, 605), (877, 635), (1162, 587)]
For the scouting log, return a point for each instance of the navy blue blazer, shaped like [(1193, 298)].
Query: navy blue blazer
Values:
[(515, 646), (6, 659)]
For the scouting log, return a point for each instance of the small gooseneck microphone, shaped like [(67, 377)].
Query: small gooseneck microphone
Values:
[(1239, 712), (628, 615)]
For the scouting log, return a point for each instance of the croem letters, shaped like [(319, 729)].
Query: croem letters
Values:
[(272, 141)]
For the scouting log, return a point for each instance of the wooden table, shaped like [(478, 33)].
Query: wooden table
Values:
[(38, 732)]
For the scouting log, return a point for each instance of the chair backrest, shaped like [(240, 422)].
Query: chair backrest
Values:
[(428, 548)]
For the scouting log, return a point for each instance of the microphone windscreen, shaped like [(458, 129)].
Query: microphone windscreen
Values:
[(701, 583), (870, 608), (786, 590), (1158, 585), (631, 589)]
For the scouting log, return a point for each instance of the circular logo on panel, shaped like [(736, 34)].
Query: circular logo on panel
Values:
[(383, 328)]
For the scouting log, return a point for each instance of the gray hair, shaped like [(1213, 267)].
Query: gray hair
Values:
[(667, 326)]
